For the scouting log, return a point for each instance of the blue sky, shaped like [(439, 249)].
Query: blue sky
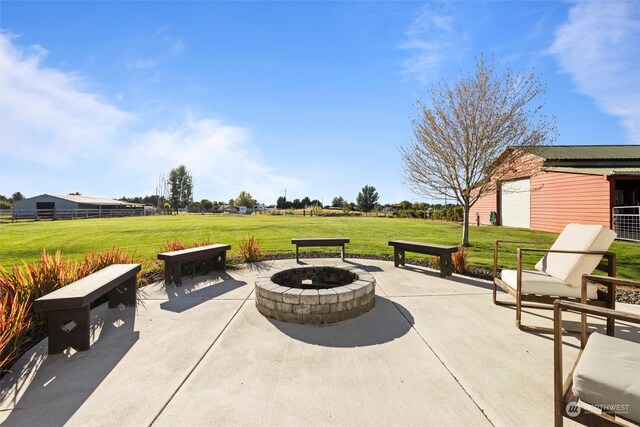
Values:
[(311, 97)]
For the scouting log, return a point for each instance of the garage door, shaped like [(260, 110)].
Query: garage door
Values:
[(515, 203)]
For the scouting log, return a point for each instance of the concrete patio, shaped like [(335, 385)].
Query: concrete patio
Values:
[(431, 352)]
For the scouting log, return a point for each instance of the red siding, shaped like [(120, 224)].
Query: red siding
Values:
[(485, 204), (558, 199), (526, 166)]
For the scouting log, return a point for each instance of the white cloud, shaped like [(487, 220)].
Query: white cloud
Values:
[(599, 47), (165, 46), (431, 40), (219, 157), (46, 116), (78, 141)]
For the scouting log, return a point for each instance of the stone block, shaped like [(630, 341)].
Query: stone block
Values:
[(301, 308), (284, 307), (311, 319), (292, 296), (358, 289), (366, 278), (331, 317), (360, 292), (344, 294), (267, 303), (266, 284), (338, 307), (264, 311), (264, 292), (293, 318), (309, 296), (327, 296), (275, 294), (320, 309)]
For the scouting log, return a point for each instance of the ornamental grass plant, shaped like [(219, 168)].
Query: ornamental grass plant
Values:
[(250, 249), (191, 268), (21, 285)]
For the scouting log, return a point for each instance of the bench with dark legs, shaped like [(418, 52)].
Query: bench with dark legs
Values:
[(444, 252), (71, 304), (173, 260), (320, 241)]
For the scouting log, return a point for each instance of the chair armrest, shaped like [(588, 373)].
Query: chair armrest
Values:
[(584, 309), (565, 252), (562, 305), (523, 242), (613, 280)]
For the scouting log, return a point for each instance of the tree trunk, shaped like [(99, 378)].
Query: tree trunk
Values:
[(465, 225)]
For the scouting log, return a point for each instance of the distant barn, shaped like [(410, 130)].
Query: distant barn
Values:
[(73, 206)]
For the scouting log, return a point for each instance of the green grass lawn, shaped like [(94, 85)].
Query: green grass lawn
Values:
[(144, 236)]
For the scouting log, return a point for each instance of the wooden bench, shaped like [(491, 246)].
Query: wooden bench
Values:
[(320, 241), (444, 252), (173, 260), (71, 303)]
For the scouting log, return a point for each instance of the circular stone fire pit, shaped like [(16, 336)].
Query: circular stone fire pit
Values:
[(315, 294)]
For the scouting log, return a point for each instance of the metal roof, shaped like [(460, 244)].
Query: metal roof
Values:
[(93, 200), (588, 152), (595, 171)]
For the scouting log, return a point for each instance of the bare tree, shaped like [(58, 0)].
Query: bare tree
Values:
[(162, 190), (461, 138)]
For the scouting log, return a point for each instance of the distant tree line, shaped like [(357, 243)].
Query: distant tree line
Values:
[(7, 202), (283, 203)]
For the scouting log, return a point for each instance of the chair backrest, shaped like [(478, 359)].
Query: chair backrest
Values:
[(576, 237)]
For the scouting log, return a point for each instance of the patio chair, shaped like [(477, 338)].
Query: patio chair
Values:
[(603, 387), (578, 250)]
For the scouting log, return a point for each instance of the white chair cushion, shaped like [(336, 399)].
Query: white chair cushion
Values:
[(535, 282), (576, 237), (608, 373)]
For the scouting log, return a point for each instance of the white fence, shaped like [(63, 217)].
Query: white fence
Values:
[(626, 222), (37, 214)]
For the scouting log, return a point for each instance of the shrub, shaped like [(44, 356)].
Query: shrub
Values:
[(316, 210), (435, 262), (97, 261), (192, 268), (15, 321), (20, 286), (459, 260), (250, 249), (450, 213)]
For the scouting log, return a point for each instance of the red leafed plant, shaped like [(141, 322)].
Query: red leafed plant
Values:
[(15, 321), (459, 260), (196, 267), (20, 285), (250, 249)]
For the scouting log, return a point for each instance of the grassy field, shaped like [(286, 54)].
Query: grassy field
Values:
[(144, 236)]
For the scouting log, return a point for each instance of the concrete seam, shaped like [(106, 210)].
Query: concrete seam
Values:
[(195, 366), (443, 295), (443, 364)]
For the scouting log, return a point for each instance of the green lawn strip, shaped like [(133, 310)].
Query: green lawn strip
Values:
[(144, 236)]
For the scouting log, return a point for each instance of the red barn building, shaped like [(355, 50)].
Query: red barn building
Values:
[(557, 185)]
